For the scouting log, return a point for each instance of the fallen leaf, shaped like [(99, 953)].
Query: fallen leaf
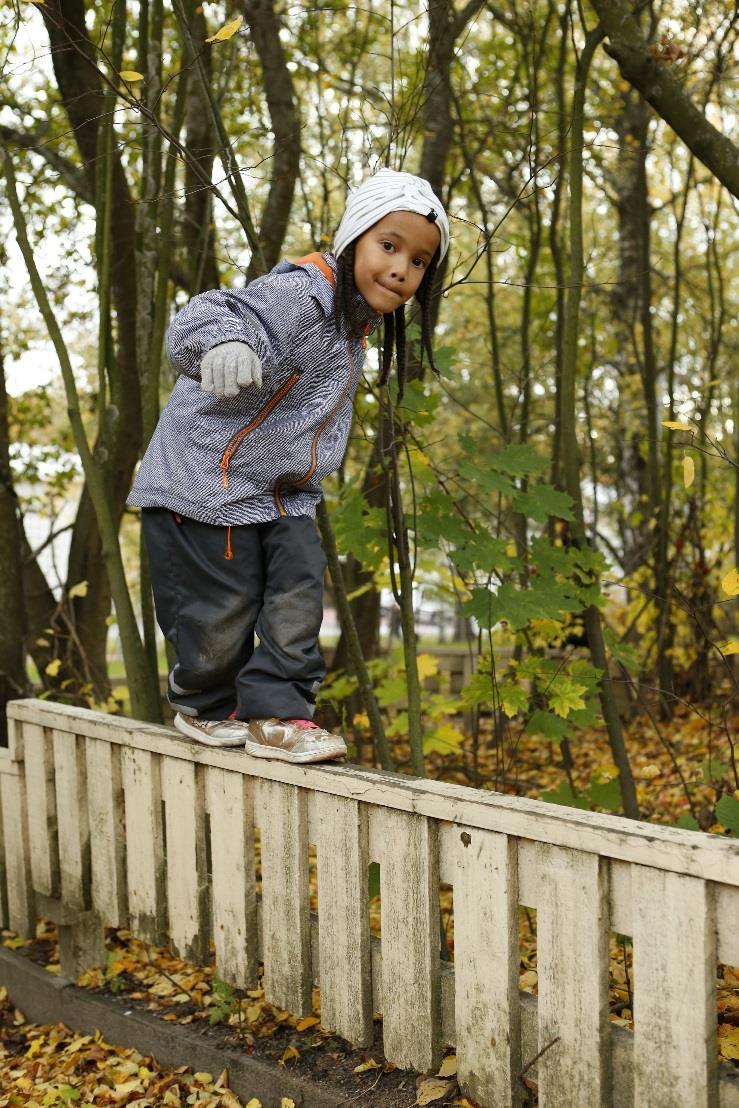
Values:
[(288, 1053), (308, 1021), (448, 1067), (433, 1089), (370, 1064)]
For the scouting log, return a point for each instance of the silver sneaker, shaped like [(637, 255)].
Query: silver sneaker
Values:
[(213, 732), (293, 741)]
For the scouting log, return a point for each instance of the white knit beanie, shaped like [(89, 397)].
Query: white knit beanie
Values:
[(389, 191)]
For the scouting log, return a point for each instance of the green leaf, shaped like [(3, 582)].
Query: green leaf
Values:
[(714, 769), (359, 529), (477, 691), (520, 460), (564, 795), (727, 813), (513, 697), (443, 740), (539, 502), (688, 822), (606, 794), (550, 726), (587, 716), (566, 695), (488, 479)]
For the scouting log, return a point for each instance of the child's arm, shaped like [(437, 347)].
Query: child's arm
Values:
[(269, 316), (229, 367)]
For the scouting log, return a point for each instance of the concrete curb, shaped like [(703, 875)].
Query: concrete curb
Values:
[(47, 998)]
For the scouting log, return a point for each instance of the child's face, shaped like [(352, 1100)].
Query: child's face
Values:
[(391, 258)]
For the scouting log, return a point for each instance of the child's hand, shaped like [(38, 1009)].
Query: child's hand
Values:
[(229, 367)]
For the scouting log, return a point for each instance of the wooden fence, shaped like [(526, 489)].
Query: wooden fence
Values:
[(106, 821)]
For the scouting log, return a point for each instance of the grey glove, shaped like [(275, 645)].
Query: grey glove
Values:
[(229, 367)]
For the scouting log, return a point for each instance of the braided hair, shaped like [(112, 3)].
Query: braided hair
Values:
[(393, 338)]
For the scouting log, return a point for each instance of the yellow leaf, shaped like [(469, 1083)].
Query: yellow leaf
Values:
[(308, 1021), (730, 583), (285, 1102), (730, 647), (448, 1066), (688, 471), (131, 75), (433, 1089), (253, 1103), (729, 1042), (288, 1053), (35, 1047), (370, 1064), (528, 979), (676, 425), (203, 1077), (427, 665), (650, 772), (53, 667), (80, 589), (227, 30)]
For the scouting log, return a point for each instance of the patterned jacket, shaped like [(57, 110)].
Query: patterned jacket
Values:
[(263, 453)]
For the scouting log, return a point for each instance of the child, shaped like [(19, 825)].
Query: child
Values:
[(259, 415)]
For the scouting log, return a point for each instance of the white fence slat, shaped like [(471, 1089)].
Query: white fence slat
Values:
[(409, 895), (343, 918), (486, 960), (229, 802), (21, 908), (187, 881), (4, 921), (42, 821), (727, 913), (572, 928), (675, 1019), (107, 832), (283, 818), (144, 851), (72, 820)]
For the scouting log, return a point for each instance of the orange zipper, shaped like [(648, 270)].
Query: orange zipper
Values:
[(235, 442), (316, 438)]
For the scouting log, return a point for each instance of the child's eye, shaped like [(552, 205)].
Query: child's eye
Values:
[(419, 262), (390, 244)]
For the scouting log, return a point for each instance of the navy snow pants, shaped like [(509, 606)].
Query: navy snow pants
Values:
[(210, 608)]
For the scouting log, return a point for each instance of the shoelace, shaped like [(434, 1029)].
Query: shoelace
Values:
[(306, 724)]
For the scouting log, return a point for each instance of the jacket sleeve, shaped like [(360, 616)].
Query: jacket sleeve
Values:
[(269, 315)]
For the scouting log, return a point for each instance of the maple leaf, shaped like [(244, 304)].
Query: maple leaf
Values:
[(565, 696)]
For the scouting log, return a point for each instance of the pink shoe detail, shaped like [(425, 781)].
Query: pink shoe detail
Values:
[(306, 724)]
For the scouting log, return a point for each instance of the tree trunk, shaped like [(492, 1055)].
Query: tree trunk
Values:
[(13, 679), (570, 449)]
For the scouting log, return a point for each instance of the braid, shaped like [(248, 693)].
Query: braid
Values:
[(345, 308), (425, 297), (388, 341), (401, 360)]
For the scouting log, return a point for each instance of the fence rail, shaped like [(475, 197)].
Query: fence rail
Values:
[(111, 822)]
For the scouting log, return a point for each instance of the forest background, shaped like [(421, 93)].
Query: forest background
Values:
[(567, 481)]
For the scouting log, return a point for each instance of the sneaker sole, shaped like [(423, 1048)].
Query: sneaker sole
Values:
[(202, 737), (259, 751)]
